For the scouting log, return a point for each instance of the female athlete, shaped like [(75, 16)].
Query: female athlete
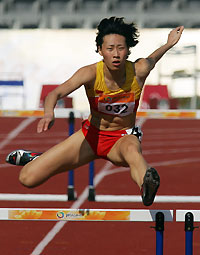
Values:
[(113, 87)]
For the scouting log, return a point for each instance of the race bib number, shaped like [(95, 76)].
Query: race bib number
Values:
[(120, 104)]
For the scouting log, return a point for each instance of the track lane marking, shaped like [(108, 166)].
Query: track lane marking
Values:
[(16, 131)]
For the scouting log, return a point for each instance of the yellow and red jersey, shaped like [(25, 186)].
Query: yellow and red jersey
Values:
[(123, 101)]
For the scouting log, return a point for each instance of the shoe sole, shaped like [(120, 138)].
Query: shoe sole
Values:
[(150, 186)]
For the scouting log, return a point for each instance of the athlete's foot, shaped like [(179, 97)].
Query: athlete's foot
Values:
[(21, 157), (151, 183)]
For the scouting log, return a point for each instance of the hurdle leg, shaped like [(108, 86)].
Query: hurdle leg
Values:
[(71, 193), (91, 193), (159, 232), (189, 220)]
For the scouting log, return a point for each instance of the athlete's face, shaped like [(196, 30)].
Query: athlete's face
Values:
[(114, 51)]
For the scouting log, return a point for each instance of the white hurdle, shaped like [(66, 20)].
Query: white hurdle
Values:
[(98, 198), (180, 215), (120, 215), (138, 199), (83, 214)]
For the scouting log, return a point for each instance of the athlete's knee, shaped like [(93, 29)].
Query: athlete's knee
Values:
[(132, 147), (131, 152), (27, 178)]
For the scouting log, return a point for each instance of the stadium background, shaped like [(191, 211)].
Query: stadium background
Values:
[(40, 44)]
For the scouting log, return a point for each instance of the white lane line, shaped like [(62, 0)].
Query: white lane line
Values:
[(52, 141), (171, 142), (169, 151), (163, 163), (16, 131), (81, 199), (175, 162), (6, 165)]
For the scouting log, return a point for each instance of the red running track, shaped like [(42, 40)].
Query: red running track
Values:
[(172, 146)]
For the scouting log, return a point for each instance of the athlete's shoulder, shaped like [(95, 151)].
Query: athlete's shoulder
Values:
[(142, 68), (140, 61), (87, 73), (144, 64), (89, 68)]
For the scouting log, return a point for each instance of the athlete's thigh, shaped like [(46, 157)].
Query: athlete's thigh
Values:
[(69, 154), (118, 152)]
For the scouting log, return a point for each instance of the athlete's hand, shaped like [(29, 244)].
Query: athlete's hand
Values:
[(175, 35), (45, 123)]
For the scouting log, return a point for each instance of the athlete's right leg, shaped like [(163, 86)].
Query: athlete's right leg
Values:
[(69, 154)]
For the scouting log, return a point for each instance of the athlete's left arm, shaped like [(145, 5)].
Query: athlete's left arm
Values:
[(144, 65)]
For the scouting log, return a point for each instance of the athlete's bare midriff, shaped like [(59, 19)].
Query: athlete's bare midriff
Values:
[(111, 123)]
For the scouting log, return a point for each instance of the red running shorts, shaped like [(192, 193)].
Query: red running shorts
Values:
[(101, 141)]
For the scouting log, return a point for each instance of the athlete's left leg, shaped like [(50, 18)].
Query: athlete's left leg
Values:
[(127, 152)]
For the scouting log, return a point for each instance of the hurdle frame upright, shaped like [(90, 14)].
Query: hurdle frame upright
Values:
[(189, 217), (160, 217), (70, 189)]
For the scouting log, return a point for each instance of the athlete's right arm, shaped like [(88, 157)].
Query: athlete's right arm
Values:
[(83, 76)]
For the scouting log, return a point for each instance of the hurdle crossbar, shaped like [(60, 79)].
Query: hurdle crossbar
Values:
[(158, 199), (180, 215), (147, 113), (98, 198), (83, 214)]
